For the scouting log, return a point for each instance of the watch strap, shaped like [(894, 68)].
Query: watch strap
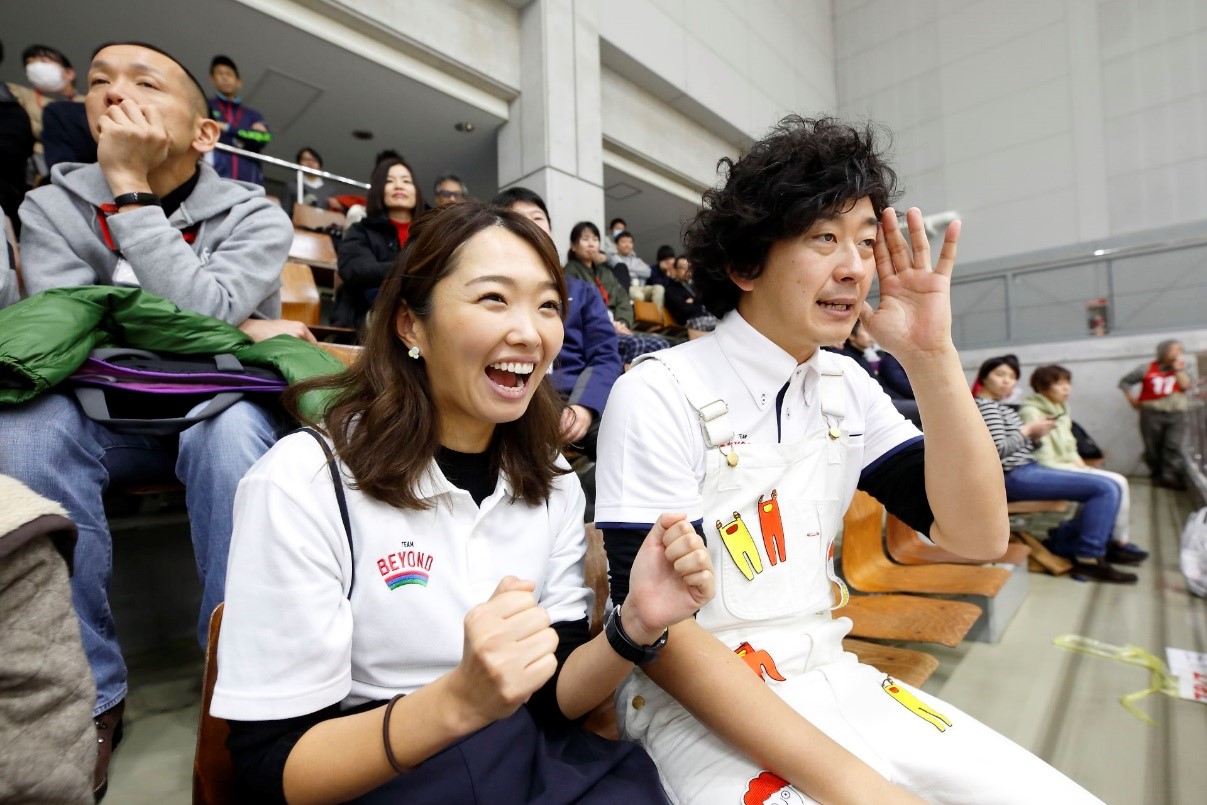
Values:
[(145, 199), (623, 645)]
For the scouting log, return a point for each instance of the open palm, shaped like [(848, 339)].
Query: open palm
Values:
[(914, 312)]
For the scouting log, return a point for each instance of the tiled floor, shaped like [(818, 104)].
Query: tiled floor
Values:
[(1061, 705)]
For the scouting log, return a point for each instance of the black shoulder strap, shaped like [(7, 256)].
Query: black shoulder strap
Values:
[(339, 497)]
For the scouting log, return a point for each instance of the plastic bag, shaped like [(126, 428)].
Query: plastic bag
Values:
[(1194, 552)]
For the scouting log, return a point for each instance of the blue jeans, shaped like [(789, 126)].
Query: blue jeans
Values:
[(52, 447), (1088, 532)]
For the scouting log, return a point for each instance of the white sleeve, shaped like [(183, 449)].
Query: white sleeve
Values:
[(650, 452), (564, 593), (285, 648)]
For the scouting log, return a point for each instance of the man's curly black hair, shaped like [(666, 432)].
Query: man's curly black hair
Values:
[(776, 191)]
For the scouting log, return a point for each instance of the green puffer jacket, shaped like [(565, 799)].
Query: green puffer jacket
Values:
[(1059, 448), (45, 338)]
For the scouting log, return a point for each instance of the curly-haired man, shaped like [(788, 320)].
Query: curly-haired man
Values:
[(762, 439)]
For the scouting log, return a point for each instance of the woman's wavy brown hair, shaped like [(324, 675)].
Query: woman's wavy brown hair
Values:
[(381, 417)]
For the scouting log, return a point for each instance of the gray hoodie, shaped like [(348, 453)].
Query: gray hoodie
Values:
[(231, 271)]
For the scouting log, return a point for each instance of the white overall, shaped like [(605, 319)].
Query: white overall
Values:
[(771, 513)]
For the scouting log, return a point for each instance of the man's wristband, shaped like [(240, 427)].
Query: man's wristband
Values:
[(623, 645), (143, 199)]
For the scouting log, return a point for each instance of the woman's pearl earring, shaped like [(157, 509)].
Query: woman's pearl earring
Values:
[(413, 352)]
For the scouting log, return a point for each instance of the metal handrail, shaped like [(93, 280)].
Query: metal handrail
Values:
[(1084, 259), (284, 163)]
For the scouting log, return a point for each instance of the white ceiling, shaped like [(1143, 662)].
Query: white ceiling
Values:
[(315, 94)]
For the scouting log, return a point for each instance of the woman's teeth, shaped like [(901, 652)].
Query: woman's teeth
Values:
[(517, 368)]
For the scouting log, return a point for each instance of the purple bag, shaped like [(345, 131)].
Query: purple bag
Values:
[(136, 391)]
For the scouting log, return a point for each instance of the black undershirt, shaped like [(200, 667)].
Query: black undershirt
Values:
[(172, 201), (898, 481), (259, 749)]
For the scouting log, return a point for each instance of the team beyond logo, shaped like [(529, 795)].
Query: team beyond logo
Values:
[(403, 568)]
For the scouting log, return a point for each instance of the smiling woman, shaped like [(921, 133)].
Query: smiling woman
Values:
[(427, 610)]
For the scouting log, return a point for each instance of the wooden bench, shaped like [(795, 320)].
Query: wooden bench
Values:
[(906, 547), (910, 617), (868, 568), (299, 295)]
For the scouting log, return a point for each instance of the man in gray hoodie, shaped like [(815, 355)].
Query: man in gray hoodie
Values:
[(146, 214)]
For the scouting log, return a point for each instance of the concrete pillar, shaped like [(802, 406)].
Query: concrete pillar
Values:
[(553, 140)]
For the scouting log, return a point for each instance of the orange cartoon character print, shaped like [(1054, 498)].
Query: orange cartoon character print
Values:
[(771, 789), (759, 661), (740, 544), (772, 526), (915, 705)]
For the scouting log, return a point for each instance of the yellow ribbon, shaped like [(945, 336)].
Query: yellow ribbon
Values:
[(1162, 681)]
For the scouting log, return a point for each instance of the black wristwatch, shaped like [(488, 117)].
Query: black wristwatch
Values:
[(145, 199), (625, 647)]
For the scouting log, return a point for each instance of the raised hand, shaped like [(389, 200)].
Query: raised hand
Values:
[(914, 314), (508, 652), (672, 577)]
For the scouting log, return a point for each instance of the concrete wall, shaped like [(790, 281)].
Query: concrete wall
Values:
[(1096, 403), (1043, 122), (734, 66)]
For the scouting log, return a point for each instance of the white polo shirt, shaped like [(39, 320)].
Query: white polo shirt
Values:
[(651, 449), (291, 641)]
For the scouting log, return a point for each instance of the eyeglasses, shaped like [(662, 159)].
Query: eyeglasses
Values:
[(450, 194)]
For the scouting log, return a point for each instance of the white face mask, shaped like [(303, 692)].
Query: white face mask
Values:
[(46, 76)]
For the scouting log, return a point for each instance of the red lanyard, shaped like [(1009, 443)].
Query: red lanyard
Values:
[(105, 210), (228, 108), (602, 290)]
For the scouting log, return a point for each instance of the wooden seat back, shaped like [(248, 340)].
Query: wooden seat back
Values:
[(299, 295), (910, 617), (315, 249), (869, 569), (213, 772), (308, 217), (346, 353), (909, 666)]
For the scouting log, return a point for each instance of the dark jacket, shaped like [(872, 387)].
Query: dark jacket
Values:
[(618, 301), (892, 377), (65, 134), (45, 338), (683, 302), (16, 144), (239, 119), (366, 255), (589, 362)]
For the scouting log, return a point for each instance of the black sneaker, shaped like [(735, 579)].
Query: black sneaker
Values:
[(1118, 553), (1100, 570)]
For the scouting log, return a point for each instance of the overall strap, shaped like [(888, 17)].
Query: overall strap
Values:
[(830, 391), (341, 500), (712, 410)]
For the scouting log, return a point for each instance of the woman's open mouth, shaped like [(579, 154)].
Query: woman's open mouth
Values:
[(509, 378)]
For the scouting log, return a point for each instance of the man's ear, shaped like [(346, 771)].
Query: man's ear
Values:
[(206, 135), (743, 283)]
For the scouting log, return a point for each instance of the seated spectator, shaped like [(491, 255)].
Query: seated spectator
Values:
[(639, 271), (1053, 385), (589, 362), (684, 303), (1085, 537), (53, 79), (146, 214), (316, 191), (241, 126), (660, 271), (1162, 404), (448, 439), (861, 348), (609, 249), (582, 262), (65, 134), (449, 189), (369, 247), (16, 147), (46, 698)]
